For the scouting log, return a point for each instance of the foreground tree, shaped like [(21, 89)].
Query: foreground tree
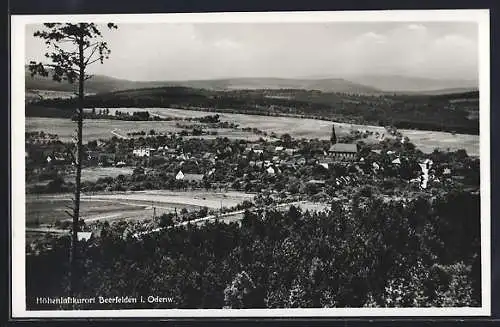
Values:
[(71, 49)]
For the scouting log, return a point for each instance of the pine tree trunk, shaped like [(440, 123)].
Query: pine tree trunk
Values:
[(76, 209)]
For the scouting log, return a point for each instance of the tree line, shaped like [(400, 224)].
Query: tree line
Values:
[(436, 113), (371, 253)]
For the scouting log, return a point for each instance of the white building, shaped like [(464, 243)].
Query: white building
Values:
[(396, 161), (180, 175), (324, 165), (142, 152), (84, 236)]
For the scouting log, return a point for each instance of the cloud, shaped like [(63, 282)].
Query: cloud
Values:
[(417, 27), (201, 51), (372, 36)]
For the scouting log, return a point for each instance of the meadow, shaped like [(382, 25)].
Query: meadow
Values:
[(47, 209)]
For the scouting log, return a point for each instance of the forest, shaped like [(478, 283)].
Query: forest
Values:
[(452, 112), (369, 253)]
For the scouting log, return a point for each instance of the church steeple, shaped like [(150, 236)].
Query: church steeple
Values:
[(333, 138)]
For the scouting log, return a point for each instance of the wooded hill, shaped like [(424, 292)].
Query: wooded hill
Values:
[(457, 112), (370, 84)]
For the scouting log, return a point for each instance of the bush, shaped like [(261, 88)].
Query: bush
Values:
[(166, 220), (366, 191)]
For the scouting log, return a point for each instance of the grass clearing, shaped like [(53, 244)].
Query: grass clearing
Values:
[(47, 209)]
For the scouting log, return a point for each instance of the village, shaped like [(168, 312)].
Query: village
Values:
[(229, 163), (281, 170)]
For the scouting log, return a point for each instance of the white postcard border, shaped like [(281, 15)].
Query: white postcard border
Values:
[(18, 286)]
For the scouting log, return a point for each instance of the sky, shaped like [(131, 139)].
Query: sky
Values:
[(182, 51)]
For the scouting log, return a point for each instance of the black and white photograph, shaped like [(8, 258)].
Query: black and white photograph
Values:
[(251, 164)]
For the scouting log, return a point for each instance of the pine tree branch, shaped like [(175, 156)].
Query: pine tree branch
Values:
[(95, 60), (91, 55)]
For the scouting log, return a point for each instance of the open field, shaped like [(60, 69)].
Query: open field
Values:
[(101, 129), (89, 174), (194, 198), (426, 141), (47, 209), (47, 94)]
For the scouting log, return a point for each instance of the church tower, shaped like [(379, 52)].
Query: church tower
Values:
[(333, 138)]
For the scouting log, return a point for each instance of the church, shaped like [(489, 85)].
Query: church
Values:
[(342, 151)]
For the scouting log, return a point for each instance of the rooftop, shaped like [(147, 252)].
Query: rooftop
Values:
[(344, 147), (193, 177)]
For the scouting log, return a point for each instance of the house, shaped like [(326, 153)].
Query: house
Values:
[(92, 155), (425, 167), (57, 158), (179, 176), (396, 161), (316, 182), (60, 157), (359, 170), (301, 161), (343, 151), (207, 155), (84, 236), (270, 171), (170, 151), (163, 148), (142, 152), (324, 165)]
